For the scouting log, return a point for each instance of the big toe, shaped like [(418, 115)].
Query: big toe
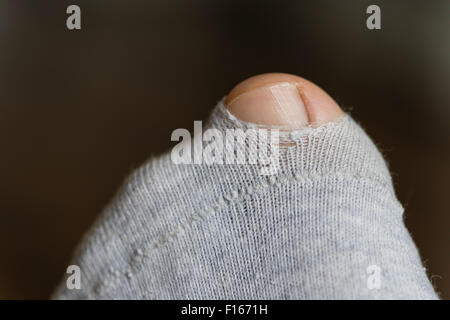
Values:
[(280, 99)]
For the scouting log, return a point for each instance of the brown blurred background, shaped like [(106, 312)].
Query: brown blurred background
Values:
[(80, 109)]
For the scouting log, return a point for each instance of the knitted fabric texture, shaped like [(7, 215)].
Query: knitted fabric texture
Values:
[(316, 229)]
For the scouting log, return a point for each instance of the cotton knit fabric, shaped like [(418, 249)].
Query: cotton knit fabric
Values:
[(312, 230)]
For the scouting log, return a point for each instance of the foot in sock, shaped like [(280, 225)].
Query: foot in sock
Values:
[(325, 225)]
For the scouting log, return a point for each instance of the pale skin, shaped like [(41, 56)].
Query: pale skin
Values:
[(281, 99)]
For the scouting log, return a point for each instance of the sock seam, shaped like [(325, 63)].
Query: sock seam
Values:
[(238, 195), (224, 202)]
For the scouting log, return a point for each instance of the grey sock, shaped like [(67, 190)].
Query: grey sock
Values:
[(327, 225)]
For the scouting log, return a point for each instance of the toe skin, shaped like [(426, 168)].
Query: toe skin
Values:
[(269, 99)]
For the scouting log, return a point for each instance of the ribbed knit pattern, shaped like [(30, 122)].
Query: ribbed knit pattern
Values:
[(225, 231)]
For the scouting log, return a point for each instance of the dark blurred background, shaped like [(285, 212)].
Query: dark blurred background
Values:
[(80, 109)]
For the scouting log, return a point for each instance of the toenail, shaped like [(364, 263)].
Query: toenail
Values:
[(277, 104), (283, 100)]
